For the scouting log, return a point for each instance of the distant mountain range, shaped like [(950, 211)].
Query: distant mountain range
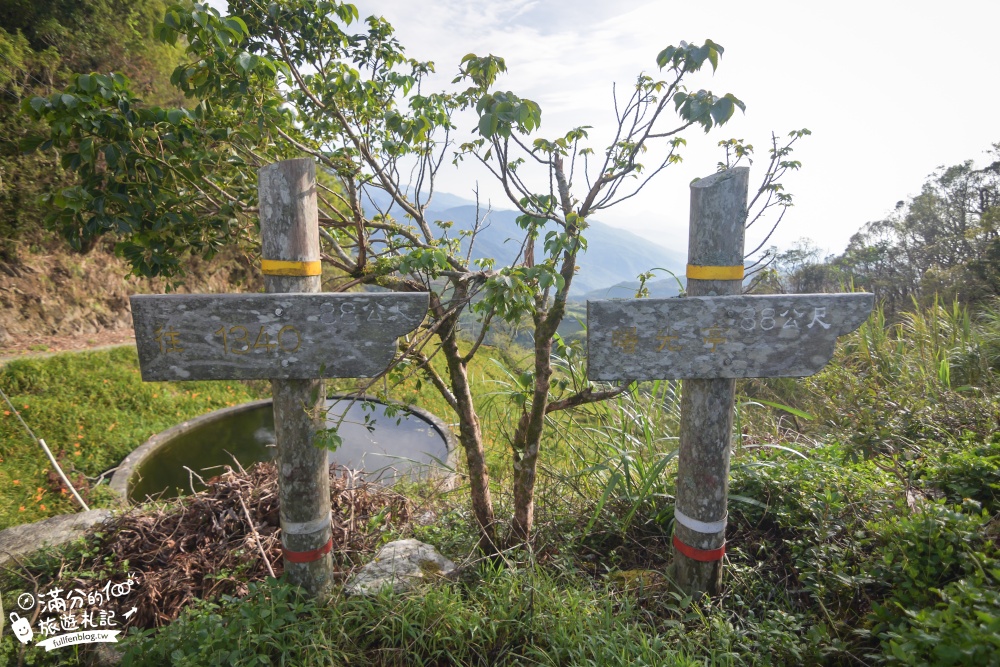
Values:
[(609, 268)]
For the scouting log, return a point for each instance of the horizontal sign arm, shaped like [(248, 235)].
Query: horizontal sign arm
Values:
[(780, 335), (275, 336)]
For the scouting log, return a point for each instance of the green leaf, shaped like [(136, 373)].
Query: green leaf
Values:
[(236, 23), (173, 19), (111, 155), (87, 149), (722, 111), (523, 114), (487, 125), (328, 439), (713, 55), (30, 143), (86, 83), (666, 56), (786, 408), (613, 482), (244, 61)]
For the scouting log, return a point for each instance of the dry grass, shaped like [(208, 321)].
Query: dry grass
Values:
[(202, 546)]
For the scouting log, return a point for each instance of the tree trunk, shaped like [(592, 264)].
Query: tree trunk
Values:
[(290, 233), (528, 436), (471, 437), (718, 214), (527, 440)]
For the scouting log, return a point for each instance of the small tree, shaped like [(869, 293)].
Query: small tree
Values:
[(270, 82)]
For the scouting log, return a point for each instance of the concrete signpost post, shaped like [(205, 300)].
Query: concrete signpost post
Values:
[(709, 339), (293, 335)]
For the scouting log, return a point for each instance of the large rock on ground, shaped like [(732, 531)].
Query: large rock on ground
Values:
[(401, 564)]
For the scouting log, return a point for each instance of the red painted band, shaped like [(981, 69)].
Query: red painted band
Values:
[(307, 556), (702, 555)]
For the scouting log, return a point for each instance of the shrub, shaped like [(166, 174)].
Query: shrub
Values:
[(929, 549), (970, 470), (963, 628)]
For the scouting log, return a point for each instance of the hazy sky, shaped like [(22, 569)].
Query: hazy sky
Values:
[(890, 89)]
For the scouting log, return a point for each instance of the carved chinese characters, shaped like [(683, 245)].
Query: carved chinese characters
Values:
[(719, 336)]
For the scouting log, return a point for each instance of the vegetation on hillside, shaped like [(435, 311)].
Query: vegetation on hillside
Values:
[(44, 44)]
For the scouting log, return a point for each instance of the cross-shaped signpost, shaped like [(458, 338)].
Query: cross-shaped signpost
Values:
[(294, 335), (709, 339)]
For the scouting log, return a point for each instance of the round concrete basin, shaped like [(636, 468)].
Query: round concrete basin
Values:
[(386, 441)]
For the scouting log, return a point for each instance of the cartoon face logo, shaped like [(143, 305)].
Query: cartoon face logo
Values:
[(21, 628)]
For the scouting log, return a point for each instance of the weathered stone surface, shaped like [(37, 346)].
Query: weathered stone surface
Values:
[(781, 335), (715, 238), (289, 231), (716, 222), (278, 336), (51, 532), (401, 564)]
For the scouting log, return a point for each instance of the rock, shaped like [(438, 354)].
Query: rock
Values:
[(103, 655), (51, 532), (641, 581), (402, 564)]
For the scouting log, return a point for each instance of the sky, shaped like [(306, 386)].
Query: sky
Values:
[(891, 90)]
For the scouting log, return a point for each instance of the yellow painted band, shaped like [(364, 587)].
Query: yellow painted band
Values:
[(277, 267), (715, 272)]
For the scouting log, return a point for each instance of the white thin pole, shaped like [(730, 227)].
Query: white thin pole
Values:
[(48, 453)]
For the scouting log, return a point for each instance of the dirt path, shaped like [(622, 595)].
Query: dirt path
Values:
[(24, 346)]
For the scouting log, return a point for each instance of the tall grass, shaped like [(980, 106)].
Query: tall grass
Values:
[(932, 349), (623, 452), (892, 388)]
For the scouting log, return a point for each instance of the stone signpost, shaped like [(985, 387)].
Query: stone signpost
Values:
[(293, 335), (709, 339), (275, 336)]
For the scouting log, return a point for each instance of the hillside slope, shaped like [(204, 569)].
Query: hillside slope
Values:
[(54, 291)]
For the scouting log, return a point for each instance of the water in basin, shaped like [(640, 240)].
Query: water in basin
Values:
[(386, 446)]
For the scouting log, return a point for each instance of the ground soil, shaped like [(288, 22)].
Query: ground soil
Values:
[(55, 300), (33, 345)]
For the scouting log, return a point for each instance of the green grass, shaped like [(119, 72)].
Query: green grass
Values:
[(91, 409), (509, 617)]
